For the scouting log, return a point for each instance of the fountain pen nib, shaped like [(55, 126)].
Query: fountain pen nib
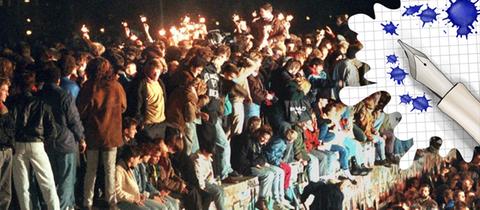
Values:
[(411, 54)]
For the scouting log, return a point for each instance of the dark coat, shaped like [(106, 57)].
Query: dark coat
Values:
[(249, 154), (7, 129), (182, 107), (257, 90), (33, 119), (101, 107), (66, 117)]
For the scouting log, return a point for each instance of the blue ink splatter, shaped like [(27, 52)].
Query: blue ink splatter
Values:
[(405, 99), (428, 15), (420, 103), (392, 59), (398, 74), (390, 28), (462, 14), (411, 10)]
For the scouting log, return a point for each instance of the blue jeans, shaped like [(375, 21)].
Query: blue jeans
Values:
[(278, 183), (191, 138), (401, 146), (325, 161), (313, 169), (252, 110), (222, 154), (265, 179), (354, 149), (64, 171), (343, 155), (217, 194), (379, 148)]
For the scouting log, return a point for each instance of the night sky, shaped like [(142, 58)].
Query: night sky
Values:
[(58, 18)]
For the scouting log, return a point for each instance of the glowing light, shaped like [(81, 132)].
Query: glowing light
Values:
[(125, 24), (186, 19), (143, 18), (29, 20), (162, 32), (28, 32), (27, 1), (236, 17), (217, 23), (102, 30), (84, 29), (201, 20), (307, 18), (254, 14), (133, 37), (289, 18), (280, 16)]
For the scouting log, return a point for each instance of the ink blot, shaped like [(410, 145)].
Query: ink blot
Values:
[(411, 10), (392, 59), (398, 75), (420, 103), (390, 28), (462, 14), (405, 99), (428, 15)]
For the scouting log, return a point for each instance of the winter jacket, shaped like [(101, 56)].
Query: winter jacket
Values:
[(257, 91), (66, 117), (275, 150), (249, 154), (327, 196), (167, 178), (182, 108), (126, 188), (212, 78), (101, 107), (137, 97), (7, 128), (299, 145), (144, 184), (34, 121)]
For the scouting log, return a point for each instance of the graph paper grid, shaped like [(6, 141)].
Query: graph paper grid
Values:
[(458, 58)]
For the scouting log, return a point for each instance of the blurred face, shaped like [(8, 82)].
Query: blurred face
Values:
[(3, 93), (154, 74), (425, 192), (196, 71), (320, 35), (467, 185), (461, 196), (134, 161), (131, 69), (131, 132), (146, 158), (265, 14), (264, 139), (155, 157)]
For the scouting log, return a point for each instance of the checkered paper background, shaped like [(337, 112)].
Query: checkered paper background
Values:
[(458, 58)]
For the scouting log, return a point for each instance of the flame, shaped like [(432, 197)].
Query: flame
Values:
[(125, 24), (280, 16), (289, 18), (201, 20), (143, 18), (162, 32), (84, 29), (133, 37), (102, 30)]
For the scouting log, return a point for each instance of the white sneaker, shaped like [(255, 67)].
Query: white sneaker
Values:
[(348, 175), (287, 204)]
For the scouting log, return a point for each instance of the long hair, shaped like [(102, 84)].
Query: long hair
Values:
[(99, 70)]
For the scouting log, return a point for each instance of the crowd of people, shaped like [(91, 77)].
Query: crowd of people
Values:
[(453, 186), (162, 123)]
